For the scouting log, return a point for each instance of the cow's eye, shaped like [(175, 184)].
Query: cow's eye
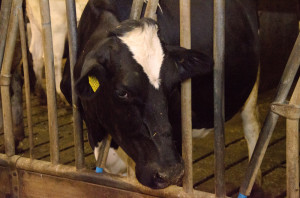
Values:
[(122, 94)]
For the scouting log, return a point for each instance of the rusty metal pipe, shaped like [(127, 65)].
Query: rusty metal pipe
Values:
[(43, 167), (73, 46), (26, 76), (186, 99), (271, 120), (219, 54), (103, 153), (50, 82), (6, 77), (136, 9), (151, 8), (292, 149), (4, 19)]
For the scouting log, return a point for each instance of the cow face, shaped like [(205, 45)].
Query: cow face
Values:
[(126, 84)]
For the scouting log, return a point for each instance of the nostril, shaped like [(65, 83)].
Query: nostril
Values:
[(160, 177)]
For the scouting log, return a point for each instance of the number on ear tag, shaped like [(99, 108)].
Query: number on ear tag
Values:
[(93, 81)]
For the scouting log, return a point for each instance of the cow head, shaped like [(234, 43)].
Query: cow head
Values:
[(129, 81)]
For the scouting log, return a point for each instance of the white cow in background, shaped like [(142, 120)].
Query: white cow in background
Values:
[(59, 35)]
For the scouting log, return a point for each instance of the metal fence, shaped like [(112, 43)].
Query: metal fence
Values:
[(20, 168)]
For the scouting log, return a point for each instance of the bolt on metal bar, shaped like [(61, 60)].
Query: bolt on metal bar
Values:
[(151, 8), (26, 76), (271, 120), (136, 9), (50, 82), (77, 120), (4, 19), (219, 53), (6, 76), (186, 99), (292, 149)]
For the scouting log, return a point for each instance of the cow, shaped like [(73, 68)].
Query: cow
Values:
[(128, 75), (59, 34)]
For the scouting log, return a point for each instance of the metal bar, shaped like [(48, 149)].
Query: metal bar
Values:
[(77, 120), (43, 167), (271, 120), (6, 73), (26, 76), (50, 82), (186, 99), (219, 53), (292, 149), (151, 8), (103, 153), (4, 19), (136, 9)]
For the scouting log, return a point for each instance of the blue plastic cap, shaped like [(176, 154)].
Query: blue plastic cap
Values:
[(99, 170), (242, 196)]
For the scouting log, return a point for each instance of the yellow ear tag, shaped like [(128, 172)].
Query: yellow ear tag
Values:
[(93, 81)]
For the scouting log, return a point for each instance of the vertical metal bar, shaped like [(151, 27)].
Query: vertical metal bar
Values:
[(151, 8), (219, 52), (136, 9), (292, 149), (186, 105), (271, 120), (6, 76), (102, 156), (50, 82), (4, 19), (77, 125), (26, 76)]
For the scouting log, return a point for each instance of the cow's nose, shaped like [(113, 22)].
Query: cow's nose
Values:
[(171, 176)]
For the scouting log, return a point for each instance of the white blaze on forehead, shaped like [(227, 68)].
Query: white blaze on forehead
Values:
[(146, 48)]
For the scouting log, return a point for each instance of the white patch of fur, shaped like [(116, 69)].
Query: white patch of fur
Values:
[(201, 133), (146, 48)]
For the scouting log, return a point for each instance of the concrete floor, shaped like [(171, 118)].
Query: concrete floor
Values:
[(273, 167)]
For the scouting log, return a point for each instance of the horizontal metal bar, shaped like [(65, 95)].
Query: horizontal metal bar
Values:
[(105, 179), (290, 111)]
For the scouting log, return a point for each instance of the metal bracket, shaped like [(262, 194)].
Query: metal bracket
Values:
[(288, 111), (14, 177), (5, 80)]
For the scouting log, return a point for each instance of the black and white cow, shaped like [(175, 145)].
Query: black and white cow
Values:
[(128, 75)]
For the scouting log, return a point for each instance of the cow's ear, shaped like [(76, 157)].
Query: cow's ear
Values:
[(190, 62), (90, 82), (95, 70)]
